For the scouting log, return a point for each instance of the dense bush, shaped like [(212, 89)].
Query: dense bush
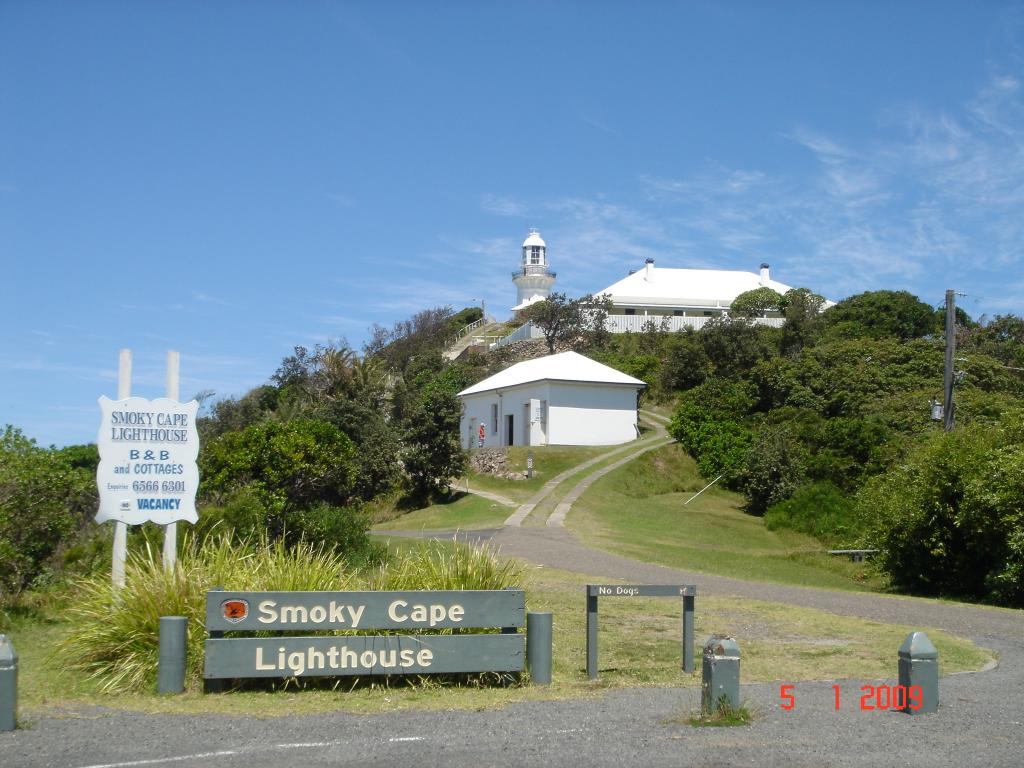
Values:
[(821, 510), (709, 423), (116, 632), (46, 497), (289, 465), (243, 516), (950, 519)]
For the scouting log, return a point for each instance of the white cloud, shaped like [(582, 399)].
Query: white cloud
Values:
[(503, 206)]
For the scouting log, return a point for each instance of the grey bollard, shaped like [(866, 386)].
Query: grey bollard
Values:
[(538, 646), (173, 649), (8, 685), (721, 674), (919, 666)]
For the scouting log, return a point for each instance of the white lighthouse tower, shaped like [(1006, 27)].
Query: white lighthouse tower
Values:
[(533, 279)]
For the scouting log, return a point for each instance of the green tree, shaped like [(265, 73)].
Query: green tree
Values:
[(686, 364), (772, 470), (432, 452), (736, 346), (879, 314), (757, 303), (558, 317), (802, 310), (709, 424)]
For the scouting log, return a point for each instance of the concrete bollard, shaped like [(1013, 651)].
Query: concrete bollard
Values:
[(8, 685), (173, 651), (721, 673), (538, 646), (919, 666)]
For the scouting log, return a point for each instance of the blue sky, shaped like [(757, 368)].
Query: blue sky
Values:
[(231, 179)]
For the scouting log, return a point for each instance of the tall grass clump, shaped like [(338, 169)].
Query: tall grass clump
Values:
[(443, 565), (115, 637)]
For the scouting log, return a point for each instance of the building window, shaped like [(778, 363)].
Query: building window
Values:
[(629, 311), (678, 313), (535, 254), (708, 314), (494, 418)]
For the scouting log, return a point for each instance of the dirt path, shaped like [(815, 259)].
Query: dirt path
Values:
[(516, 519)]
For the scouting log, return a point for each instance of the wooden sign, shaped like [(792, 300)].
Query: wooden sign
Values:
[(356, 654), (362, 655), (452, 609)]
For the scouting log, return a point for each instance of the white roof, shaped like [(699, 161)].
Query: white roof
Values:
[(661, 286), (533, 239), (529, 302), (565, 366)]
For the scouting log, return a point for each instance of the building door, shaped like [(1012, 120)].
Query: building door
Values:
[(526, 424), (510, 434)]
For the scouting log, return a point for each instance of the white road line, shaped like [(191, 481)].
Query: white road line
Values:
[(307, 745), (406, 738), (158, 760)]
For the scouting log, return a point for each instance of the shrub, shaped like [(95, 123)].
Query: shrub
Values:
[(344, 530), (244, 517), (821, 510), (288, 465), (44, 501)]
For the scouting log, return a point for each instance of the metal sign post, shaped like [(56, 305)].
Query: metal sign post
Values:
[(688, 592)]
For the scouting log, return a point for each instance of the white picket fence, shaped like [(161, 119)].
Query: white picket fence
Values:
[(635, 324)]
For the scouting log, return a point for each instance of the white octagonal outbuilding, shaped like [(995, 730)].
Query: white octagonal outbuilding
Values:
[(563, 399)]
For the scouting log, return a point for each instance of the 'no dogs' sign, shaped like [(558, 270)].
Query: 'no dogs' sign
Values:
[(148, 451)]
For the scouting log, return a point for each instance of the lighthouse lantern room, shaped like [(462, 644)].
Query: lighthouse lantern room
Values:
[(533, 279)]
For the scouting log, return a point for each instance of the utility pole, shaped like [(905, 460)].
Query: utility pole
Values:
[(947, 403)]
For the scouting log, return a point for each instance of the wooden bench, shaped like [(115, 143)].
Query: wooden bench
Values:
[(856, 555)]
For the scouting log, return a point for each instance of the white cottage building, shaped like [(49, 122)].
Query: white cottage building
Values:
[(659, 292), (564, 399)]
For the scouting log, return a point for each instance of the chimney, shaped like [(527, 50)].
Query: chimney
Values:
[(764, 274), (648, 269)]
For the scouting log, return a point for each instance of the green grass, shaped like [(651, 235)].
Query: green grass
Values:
[(639, 644), (465, 512), (638, 511), (724, 715)]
